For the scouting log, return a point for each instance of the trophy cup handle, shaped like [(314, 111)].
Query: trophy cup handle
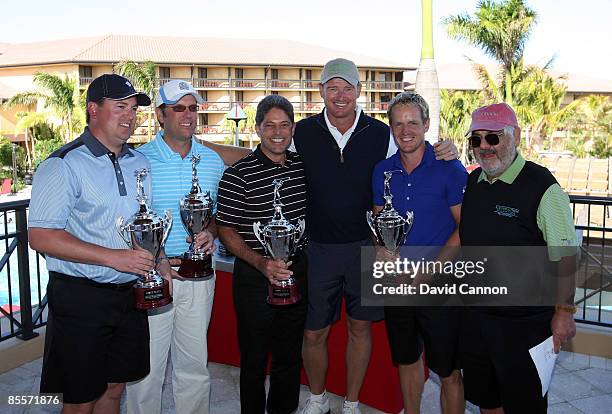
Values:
[(301, 228), (370, 220), (257, 230), (167, 227), (121, 229), (409, 218)]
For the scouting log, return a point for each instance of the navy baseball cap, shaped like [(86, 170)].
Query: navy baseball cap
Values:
[(116, 88)]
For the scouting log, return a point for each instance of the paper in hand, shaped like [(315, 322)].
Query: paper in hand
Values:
[(544, 358)]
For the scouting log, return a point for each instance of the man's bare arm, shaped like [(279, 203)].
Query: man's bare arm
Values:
[(63, 245), (563, 326), (228, 153)]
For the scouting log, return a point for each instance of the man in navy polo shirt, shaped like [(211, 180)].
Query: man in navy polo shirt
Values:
[(339, 148), (96, 339), (433, 191)]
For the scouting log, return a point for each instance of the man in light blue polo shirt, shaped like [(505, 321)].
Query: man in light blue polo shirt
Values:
[(433, 190), (96, 339), (180, 327)]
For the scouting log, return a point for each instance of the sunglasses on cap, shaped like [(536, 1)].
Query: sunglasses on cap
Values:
[(182, 108), (492, 139)]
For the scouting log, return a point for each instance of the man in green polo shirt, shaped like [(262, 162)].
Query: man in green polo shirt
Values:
[(512, 202)]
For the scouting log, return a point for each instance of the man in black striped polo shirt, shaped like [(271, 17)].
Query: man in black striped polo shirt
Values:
[(246, 196)]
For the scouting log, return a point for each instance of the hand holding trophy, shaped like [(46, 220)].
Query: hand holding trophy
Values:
[(388, 226), (280, 239), (196, 214), (146, 230)]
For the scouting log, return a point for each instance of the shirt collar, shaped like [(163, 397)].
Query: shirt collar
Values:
[(510, 174), (263, 158), (428, 158), (98, 149), (164, 149), (351, 129)]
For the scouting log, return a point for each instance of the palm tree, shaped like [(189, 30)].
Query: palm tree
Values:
[(456, 109), (60, 95), (593, 122), (26, 122), (143, 76), (500, 29), (427, 76), (538, 104)]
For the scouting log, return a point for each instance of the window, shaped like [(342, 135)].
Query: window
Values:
[(385, 76), (85, 72), (164, 72), (239, 73), (308, 97), (274, 73), (399, 77), (202, 73), (274, 93), (385, 97), (204, 95), (308, 74)]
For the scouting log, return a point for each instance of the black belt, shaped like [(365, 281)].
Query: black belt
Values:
[(86, 281)]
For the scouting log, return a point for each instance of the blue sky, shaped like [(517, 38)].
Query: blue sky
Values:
[(391, 29)]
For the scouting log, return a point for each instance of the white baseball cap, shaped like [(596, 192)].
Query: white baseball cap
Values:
[(171, 92)]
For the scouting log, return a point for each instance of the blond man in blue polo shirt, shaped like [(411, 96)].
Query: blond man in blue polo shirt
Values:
[(181, 327), (433, 190)]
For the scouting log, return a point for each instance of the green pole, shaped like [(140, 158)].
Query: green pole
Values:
[(427, 51)]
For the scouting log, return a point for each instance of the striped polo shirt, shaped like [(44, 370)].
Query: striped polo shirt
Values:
[(246, 193), (83, 189), (172, 181)]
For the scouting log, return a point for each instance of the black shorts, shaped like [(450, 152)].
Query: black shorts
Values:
[(497, 368), (437, 327), (94, 336), (334, 270)]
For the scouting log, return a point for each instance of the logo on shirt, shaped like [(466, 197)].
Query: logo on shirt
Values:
[(506, 211)]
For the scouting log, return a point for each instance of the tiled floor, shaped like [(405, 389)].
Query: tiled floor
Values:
[(581, 384)]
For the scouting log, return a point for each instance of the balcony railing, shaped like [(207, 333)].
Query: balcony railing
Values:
[(215, 106), (377, 106), (22, 302), (275, 84), (593, 218), (383, 85), (85, 81), (206, 83), (263, 84)]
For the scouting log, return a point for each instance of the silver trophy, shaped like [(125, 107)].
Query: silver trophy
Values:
[(196, 214), (146, 230), (389, 227), (281, 239)]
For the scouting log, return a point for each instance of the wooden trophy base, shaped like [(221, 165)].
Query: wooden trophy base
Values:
[(196, 267), (284, 295), (150, 295)]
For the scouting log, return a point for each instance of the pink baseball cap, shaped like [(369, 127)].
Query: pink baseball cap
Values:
[(493, 118)]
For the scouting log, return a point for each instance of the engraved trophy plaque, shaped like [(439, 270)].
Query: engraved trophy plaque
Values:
[(388, 226), (196, 214), (146, 230), (280, 239)]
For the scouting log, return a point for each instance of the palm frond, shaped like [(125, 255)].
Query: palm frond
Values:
[(23, 99)]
